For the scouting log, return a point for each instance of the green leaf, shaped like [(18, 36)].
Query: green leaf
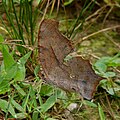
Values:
[(46, 90), (68, 2), (35, 115), (104, 63), (38, 1), (61, 94), (49, 103), (8, 59), (26, 100), (24, 59), (20, 75), (51, 119), (101, 113), (19, 89), (68, 57), (115, 62), (1, 38), (16, 105), (1, 41), (4, 86), (89, 103), (21, 116), (5, 106), (109, 74), (37, 69), (111, 87), (105, 60), (100, 66), (11, 72), (6, 77), (2, 45), (110, 61), (32, 102)]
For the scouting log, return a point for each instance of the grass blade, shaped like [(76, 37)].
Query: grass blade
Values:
[(17, 106), (10, 20), (101, 113)]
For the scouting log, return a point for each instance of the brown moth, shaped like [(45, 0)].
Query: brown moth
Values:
[(75, 74)]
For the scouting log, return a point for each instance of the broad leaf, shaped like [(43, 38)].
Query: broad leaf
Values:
[(24, 59), (109, 74), (5, 106), (35, 115), (20, 75), (49, 103), (4, 86), (8, 59), (100, 67), (111, 87)]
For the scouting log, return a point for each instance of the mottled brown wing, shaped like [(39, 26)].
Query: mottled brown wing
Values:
[(76, 74)]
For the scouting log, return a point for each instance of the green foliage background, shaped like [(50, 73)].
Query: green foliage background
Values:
[(23, 94)]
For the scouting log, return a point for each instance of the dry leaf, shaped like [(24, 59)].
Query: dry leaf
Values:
[(74, 75)]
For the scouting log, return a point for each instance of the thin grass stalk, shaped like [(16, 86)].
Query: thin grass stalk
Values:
[(86, 7), (8, 107), (35, 17), (9, 32), (58, 4), (23, 15), (77, 20), (20, 18), (28, 21), (89, 10), (20, 12), (52, 7), (110, 108), (18, 25), (11, 22), (26, 15), (31, 24), (36, 13)]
